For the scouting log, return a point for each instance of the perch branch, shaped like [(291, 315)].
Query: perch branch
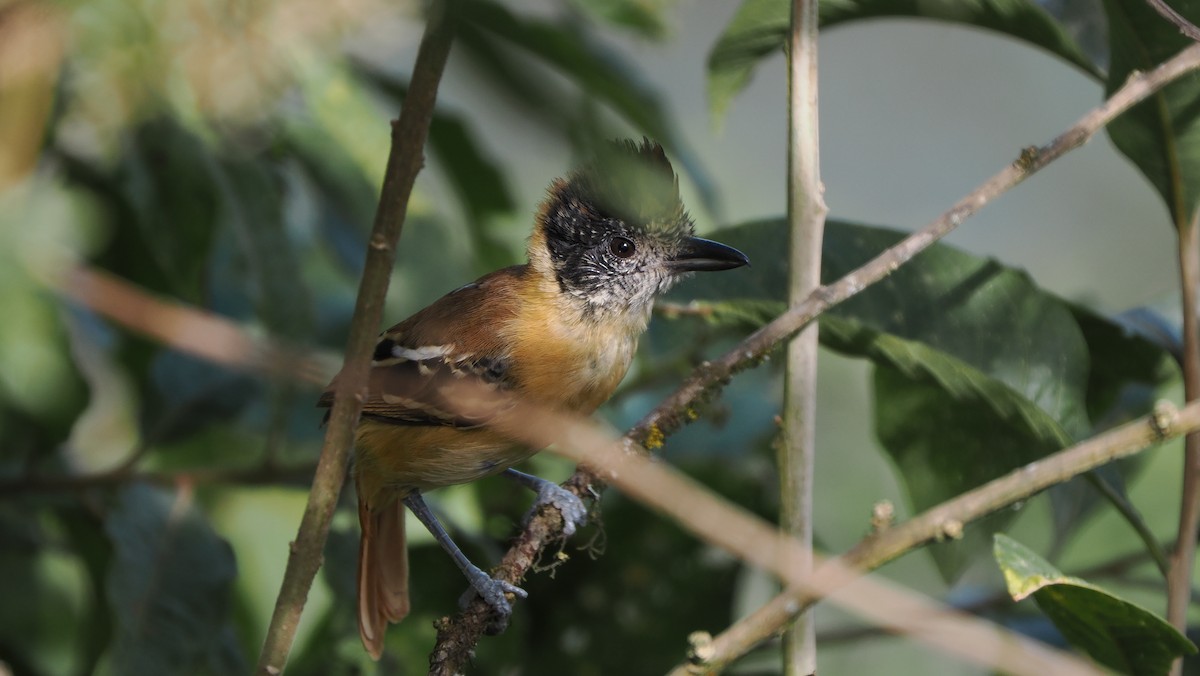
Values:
[(404, 162)]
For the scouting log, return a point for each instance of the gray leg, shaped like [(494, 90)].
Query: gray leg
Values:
[(574, 514), (490, 590)]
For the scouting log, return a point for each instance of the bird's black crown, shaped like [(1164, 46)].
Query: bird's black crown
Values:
[(612, 223)]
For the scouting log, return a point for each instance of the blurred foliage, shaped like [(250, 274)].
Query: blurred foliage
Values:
[(228, 155)]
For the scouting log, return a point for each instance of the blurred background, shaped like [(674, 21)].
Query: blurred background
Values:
[(227, 155)]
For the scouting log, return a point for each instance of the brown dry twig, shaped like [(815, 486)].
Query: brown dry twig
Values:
[(1167, 12), (404, 162)]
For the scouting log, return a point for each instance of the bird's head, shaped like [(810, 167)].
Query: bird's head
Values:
[(614, 234)]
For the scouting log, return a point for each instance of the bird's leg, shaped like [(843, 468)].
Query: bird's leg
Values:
[(574, 513), (490, 589)]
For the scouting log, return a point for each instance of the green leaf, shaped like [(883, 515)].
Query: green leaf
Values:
[(266, 265), (979, 371), (759, 28), (164, 179), (1116, 633), (1161, 135), (1126, 376), (949, 428), (169, 585)]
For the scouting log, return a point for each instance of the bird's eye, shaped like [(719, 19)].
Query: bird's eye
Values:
[(621, 247)]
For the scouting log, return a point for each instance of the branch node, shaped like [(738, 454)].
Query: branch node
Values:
[(950, 529), (1163, 419), (1028, 158), (700, 647), (883, 513), (379, 242)]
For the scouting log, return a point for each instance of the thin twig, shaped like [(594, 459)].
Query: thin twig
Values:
[(1179, 579), (404, 162), (806, 223), (1125, 508), (1165, 11), (948, 519), (188, 329), (759, 543), (458, 636)]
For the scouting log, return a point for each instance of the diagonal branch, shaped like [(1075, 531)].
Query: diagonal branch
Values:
[(1167, 12), (948, 519), (458, 636), (758, 543), (404, 162)]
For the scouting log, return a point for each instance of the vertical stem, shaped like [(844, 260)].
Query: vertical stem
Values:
[(806, 217), (404, 162), (1179, 580)]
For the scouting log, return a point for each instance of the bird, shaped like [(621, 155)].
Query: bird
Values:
[(559, 330)]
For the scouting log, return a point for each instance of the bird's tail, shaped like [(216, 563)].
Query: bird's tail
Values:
[(382, 573)]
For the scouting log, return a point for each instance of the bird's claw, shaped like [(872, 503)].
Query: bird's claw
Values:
[(574, 512), (492, 591)]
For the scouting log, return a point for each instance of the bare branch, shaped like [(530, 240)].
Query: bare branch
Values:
[(189, 329), (1167, 12), (1179, 577), (806, 223), (950, 517), (404, 162)]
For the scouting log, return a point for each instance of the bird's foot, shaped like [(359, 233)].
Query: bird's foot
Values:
[(574, 512), (492, 591)]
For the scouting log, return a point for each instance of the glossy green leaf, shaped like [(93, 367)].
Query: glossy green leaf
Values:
[(759, 28), (1161, 135), (169, 586), (1126, 377), (1116, 633), (978, 371)]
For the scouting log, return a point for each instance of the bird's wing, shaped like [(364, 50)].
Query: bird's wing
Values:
[(446, 365)]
